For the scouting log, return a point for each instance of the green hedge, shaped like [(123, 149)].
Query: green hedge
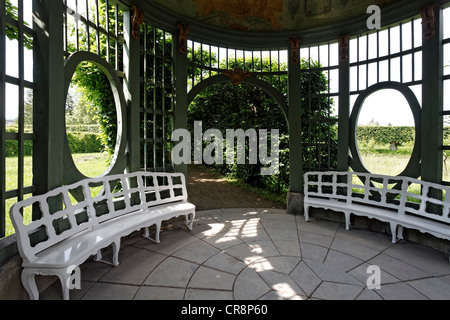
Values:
[(386, 135), (85, 142), (79, 142), (12, 149), (92, 128)]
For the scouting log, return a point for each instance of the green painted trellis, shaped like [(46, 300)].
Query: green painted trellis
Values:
[(13, 21), (157, 99)]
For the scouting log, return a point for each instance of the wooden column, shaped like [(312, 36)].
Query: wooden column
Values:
[(49, 100), (132, 85), (344, 104), (181, 84), (432, 95), (295, 196)]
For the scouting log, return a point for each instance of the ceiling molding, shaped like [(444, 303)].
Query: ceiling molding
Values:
[(167, 20)]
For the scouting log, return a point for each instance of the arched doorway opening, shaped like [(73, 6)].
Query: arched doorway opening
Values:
[(252, 108)]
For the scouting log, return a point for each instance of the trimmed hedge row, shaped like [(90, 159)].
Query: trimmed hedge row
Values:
[(79, 142), (386, 135)]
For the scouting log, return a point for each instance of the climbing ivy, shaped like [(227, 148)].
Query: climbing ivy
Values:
[(97, 90)]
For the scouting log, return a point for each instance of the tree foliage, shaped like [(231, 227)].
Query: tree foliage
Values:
[(94, 84), (97, 90), (224, 106), (12, 33)]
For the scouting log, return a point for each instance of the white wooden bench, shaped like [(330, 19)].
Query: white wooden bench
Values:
[(73, 223), (401, 201)]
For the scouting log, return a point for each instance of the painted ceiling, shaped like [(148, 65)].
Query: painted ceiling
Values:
[(270, 15)]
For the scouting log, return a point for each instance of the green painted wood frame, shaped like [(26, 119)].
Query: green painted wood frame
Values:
[(119, 161)]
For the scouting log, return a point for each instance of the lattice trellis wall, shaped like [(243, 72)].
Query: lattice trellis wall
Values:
[(16, 104), (387, 59), (206, 61), (157, 99), (446, 114), (320, 89), (95, 26)]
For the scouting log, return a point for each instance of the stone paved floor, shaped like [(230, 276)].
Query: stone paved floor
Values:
[(251, 254)]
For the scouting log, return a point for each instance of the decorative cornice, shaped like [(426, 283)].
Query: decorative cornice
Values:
[(237, 76), (183, 34), (167, 20), (294, 45), (344, 47), (137, 19), (429, 16)]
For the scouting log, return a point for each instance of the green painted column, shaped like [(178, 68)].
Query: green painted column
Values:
[(432, 97), (181, 94), (49, 99), (2, 119), (295, 196), (132, 94), (344, 104)]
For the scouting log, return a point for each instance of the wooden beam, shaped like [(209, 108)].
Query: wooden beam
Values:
[(295, 205), (49, 100), (181, 98), (132, 95), (432, 96), (344, 103)]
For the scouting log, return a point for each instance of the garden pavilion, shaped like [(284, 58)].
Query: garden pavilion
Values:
[(148, 51)]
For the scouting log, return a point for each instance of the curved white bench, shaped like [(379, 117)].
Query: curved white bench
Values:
[(91, 215), (400, 201)]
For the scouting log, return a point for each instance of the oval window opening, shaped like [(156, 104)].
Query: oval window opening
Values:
[(386, 132), (91, 120)]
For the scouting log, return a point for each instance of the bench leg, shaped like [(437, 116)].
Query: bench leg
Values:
[(306, 213), (190, 223), (347, 221), (65, 278), (158, 230), (400, 233), (115, 258), (116, 250), (394, 232), (29, 283), (98, 256)]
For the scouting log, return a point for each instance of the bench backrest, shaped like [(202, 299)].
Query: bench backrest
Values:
[(401, 194), (68, 210)]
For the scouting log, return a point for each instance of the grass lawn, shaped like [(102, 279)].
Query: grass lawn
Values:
[(91, 165), (380, 160), (391, 165)]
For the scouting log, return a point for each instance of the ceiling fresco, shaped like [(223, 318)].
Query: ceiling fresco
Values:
[(270, 15)]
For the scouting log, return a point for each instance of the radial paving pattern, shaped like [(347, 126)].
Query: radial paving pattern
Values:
[(265, 254)]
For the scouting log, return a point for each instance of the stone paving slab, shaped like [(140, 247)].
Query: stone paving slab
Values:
[(251, 254)]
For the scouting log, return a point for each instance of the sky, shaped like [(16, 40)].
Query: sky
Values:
[(385, 107)]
